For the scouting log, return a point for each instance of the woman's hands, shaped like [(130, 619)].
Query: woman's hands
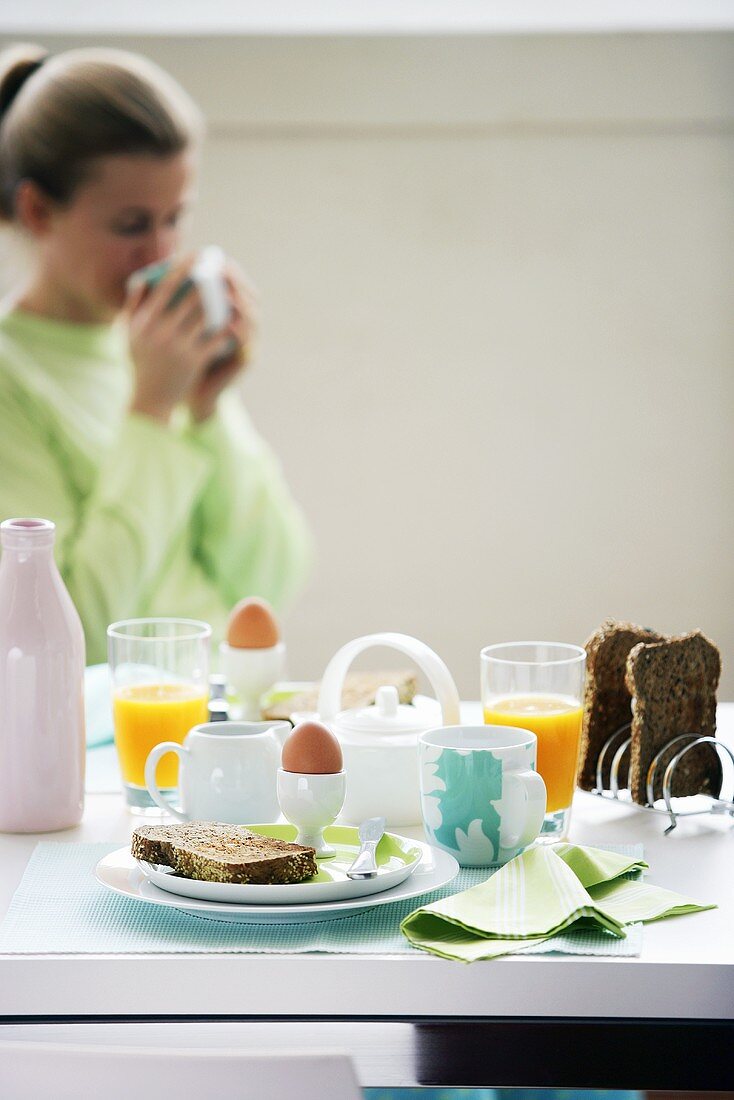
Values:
[(175, 359)]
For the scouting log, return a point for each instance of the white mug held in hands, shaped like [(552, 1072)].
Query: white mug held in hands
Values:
[(207, 275), (481, 797)]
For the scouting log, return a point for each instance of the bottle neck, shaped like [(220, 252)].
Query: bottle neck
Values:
[(27, 536)]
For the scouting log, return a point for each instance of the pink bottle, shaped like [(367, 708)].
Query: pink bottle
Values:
[(42, 737)]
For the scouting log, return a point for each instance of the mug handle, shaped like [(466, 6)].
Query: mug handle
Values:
[(150, 766), (534, 808)]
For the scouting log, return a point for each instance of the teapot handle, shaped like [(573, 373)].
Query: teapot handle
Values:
[(439, 677)]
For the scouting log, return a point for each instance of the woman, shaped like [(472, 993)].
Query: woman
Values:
[(118, 416)]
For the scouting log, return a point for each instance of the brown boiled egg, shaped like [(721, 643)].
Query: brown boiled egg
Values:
[(252, 625), (312, 749)]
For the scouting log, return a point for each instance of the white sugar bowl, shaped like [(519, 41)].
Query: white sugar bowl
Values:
[(380, 742)]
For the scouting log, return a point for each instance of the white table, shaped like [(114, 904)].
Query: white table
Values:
[(542, 1020)]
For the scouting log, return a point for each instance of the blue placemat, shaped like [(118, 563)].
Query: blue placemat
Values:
[(59, 908)]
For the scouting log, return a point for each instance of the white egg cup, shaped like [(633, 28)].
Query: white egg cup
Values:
[(251, 672), (311, 802)]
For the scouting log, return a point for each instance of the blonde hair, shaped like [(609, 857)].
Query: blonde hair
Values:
[(59, 113)]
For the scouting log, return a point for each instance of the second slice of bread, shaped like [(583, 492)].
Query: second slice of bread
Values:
[(673, 688), (216, 852), (360, 689)]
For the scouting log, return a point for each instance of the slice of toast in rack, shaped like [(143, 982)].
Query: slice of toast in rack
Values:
[(673, 685), (607, 701)]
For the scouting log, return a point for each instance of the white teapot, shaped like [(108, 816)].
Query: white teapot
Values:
[(380, 742), (227, 772)]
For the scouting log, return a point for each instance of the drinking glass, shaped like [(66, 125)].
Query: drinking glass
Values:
[(539, 686), (159, 671)]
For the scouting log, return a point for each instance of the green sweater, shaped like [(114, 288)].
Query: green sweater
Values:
[(182, 521)]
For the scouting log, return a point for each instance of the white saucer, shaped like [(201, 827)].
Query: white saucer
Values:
[(119, 872), (397, 858)]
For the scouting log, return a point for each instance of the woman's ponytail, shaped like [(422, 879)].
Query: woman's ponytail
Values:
[(17, 64)]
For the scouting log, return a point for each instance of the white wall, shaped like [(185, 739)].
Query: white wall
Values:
[(496, 355)]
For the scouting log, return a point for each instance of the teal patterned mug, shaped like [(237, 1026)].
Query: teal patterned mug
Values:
[(481, 798)]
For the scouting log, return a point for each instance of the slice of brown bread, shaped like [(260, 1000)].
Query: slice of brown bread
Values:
[(215, 852), (607, 702), (673, 685), (360, 689)]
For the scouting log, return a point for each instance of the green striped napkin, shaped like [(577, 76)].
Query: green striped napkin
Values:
[(538, 894)]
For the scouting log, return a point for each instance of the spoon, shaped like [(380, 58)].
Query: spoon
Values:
[(365, 865)]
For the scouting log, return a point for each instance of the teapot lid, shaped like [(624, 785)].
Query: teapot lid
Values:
[(387, 716)]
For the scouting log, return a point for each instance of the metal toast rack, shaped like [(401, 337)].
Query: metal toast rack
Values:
[(618, 745)]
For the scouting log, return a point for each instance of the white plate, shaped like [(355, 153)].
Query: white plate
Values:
[(119, 872), (397, 858)]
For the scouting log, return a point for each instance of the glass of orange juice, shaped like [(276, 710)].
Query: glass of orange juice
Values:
[(539, 686), (160, 679)]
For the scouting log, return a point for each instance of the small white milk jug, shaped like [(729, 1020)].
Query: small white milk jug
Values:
[(227, 772)]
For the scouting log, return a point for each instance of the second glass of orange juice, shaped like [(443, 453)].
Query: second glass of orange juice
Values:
[(539, 686), (160, 678)]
